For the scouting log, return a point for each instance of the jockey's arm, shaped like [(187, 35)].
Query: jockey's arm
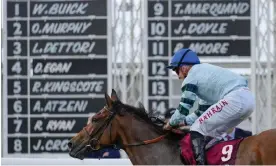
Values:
[(186, 103), (202, 107)]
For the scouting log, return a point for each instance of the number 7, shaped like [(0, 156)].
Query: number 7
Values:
[(18, 123)]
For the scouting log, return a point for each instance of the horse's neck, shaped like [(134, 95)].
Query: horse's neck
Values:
[(160, 153)]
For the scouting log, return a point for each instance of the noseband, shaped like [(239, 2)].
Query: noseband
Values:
[(94, 142)]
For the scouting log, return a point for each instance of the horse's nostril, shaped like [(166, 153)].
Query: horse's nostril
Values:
[(70, 145)]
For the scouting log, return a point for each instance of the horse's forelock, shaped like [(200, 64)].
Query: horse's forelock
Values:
[(97, 115), (89, 120)]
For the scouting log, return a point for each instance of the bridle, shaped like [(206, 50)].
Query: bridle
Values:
[(94, 142)]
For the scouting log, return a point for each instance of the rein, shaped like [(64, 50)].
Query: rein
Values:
[(146, 142), (94, 142)]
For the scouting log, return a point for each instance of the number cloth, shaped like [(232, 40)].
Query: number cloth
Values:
[(220, 154)]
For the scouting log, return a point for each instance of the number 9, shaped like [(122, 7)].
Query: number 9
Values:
[(227, 150), (158, 9)]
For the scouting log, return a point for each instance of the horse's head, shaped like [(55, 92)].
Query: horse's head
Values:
[(100, 131), (118, 124)]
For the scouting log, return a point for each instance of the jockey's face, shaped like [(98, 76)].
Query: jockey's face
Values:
[(182, 72)]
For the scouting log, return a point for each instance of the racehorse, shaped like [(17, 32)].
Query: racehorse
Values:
[(126, 127)]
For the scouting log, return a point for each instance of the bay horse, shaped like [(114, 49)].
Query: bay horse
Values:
[(126, 127)]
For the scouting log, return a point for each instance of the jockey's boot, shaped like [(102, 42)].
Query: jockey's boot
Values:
[(198, 142)]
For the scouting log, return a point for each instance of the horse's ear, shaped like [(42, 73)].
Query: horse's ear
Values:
[(108, 100), (114, 96), (141, 106)]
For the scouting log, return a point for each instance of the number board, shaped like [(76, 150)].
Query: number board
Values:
[(212, 28), (56, 71)]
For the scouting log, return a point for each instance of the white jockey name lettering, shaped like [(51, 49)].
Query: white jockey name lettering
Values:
[(68, 86), (205, 47), (210, 48), (201, 28), (55, 125), (60, 28), (77, 47), (60, 8), (213, 9), (52, 67), (51, 145), (60, 106)]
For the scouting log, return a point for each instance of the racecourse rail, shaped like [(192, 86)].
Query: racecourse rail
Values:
[(62, 161)]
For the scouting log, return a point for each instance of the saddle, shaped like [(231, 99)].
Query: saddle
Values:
[(217, 153)]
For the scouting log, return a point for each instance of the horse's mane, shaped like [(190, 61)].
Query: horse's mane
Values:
[(156, 122)]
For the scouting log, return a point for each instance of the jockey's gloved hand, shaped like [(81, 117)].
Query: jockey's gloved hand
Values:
[(167, 126), (182, 123), (177, 118)]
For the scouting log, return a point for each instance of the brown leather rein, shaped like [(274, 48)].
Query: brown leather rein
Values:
[(94, 142)]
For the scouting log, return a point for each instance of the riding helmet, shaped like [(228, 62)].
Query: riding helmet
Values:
[(182, 57)]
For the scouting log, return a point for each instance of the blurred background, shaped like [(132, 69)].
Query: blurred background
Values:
[(59, 57)]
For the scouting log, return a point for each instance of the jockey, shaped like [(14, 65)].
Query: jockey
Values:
[(225, 99)]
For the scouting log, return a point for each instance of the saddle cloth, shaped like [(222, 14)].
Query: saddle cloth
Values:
[(221, 153)]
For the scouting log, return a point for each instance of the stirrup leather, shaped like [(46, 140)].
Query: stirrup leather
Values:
[(198, 142)]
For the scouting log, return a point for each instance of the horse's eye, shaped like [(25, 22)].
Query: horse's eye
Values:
[(94, 120)]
